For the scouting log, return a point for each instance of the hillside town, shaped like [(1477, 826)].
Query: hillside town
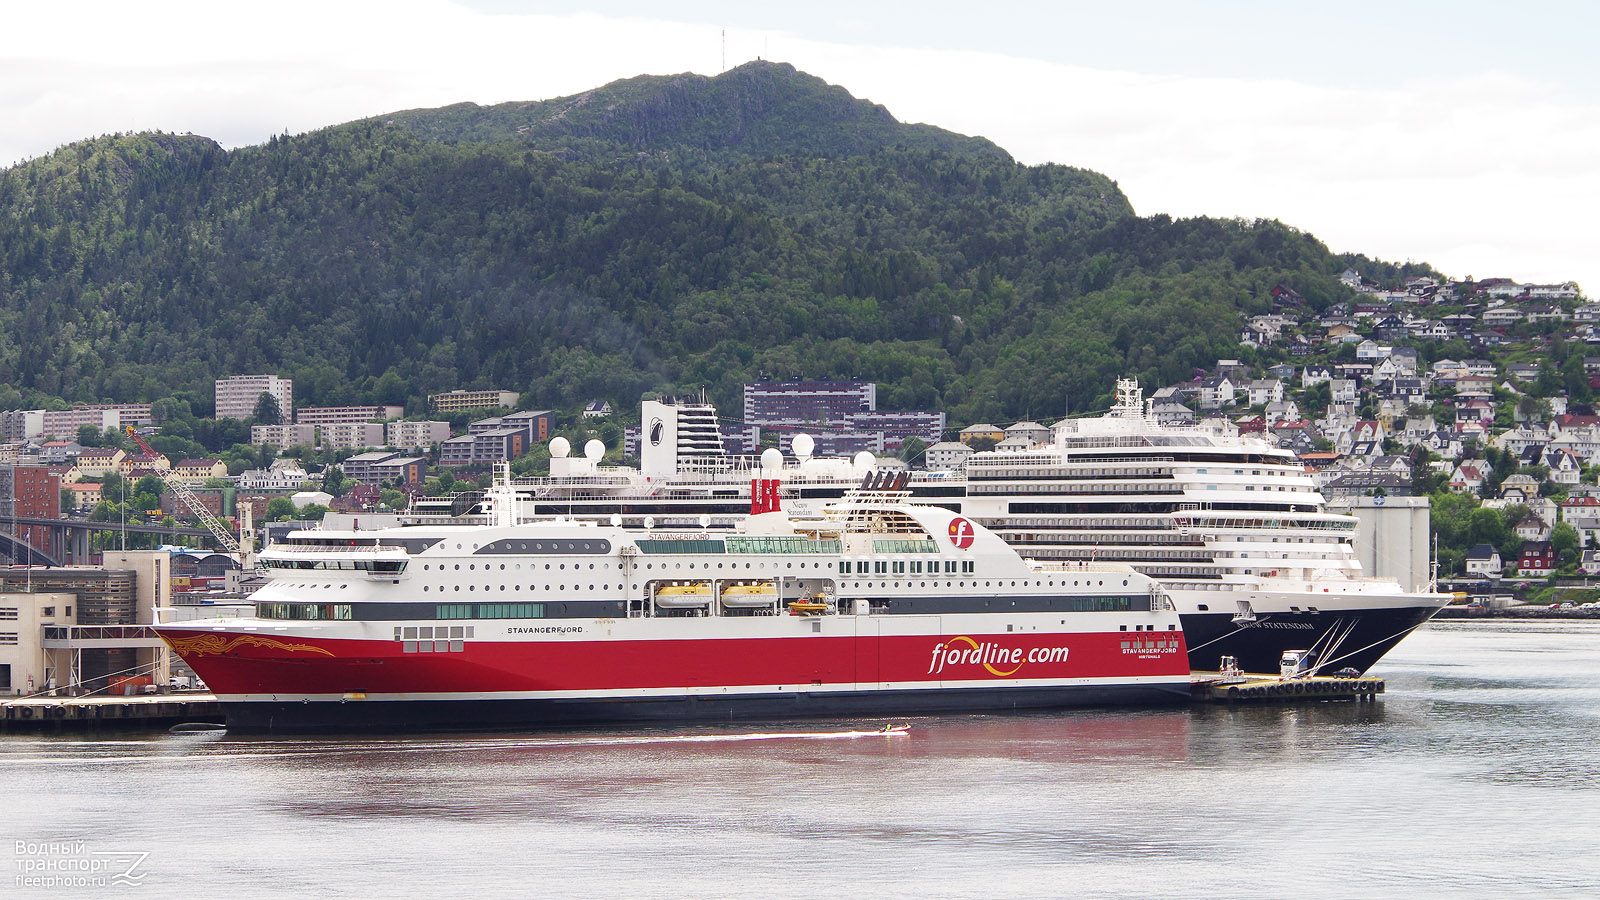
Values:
[(1480, 390)]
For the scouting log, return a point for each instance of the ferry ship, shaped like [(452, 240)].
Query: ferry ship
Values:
[(1233, 527), (879, 607)]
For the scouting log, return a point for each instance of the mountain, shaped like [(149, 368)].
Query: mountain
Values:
[(656, 234), (757, 109)]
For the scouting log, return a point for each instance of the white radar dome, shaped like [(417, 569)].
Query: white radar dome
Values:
[(594, 450), (560, 447), (803, 445), (864, 460), (772, 458)]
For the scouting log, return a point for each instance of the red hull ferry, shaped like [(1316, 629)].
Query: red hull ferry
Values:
[(879, 608)]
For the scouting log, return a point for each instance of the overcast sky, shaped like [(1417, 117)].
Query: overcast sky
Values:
[(1464, 134)]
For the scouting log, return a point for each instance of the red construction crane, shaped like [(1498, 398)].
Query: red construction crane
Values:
[(181, 490)]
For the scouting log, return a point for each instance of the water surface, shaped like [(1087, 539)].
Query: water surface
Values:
[(1475, 776)]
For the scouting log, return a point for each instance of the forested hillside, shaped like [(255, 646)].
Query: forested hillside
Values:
[(655, 234)]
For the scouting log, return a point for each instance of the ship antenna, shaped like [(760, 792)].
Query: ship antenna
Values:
[(1433, 582), (1130, 400)]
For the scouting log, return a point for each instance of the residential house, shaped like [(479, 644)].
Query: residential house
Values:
[(1533, 528), (196, 471), (1446, 371), (1281, 411), (1172, 413), (1314, 375), (1467, 478), (1264, 391), (1394, 465), (1484, 560), (1520, 438), (1416, 429), (1582, 513), (1519, 488), (1431, 330), (58, 452), (946, 456), (1536, 559), (1217, 393), (983, 431), (1563, 424), (1501, 317), (97, 462), (1406, 389), (1357, 484), (1527, 372), (1027, 434), (1372, 350), (1565, 467), (1567, 290), (1445, 443)]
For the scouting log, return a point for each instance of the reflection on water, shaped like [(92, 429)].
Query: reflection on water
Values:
[(1450, 786)]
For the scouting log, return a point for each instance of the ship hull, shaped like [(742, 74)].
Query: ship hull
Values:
[(665, 671), (331, 717), (1353, 638)]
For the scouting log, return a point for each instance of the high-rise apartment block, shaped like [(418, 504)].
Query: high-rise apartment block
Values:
[(237, 396), (459, 400)]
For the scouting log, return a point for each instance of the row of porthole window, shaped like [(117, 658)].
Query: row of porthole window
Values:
[(1002, 583), (804, 565), (970, 584), (472, 567), (518, 587), (539, 545)]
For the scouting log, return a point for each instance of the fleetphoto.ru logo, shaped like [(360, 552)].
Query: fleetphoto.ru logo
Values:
[(72, 865)]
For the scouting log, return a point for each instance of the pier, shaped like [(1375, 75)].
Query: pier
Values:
[(51, 714), (1210, 687)]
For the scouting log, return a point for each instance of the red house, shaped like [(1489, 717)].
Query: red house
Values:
[(1536, 559)]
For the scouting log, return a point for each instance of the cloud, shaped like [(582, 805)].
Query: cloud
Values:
[(1483, 173)]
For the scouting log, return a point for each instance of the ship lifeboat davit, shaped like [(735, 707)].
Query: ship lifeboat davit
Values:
[(749, 594), (683, 595)]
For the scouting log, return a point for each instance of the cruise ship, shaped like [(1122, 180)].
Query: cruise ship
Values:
[(878, 607), (1233, 527)]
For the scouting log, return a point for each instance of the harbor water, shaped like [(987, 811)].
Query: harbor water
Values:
[(1476, 775)]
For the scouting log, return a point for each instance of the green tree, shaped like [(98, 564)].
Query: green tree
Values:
[(267, 411), (1565, 541), (280, 509)]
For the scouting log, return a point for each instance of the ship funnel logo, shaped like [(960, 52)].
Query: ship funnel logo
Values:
[(961, 533)]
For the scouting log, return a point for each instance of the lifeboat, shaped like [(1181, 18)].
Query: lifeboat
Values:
[(810, 606), (683, 595), (749, 594)]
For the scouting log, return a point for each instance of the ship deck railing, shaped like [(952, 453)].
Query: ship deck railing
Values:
[(282, 548)]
